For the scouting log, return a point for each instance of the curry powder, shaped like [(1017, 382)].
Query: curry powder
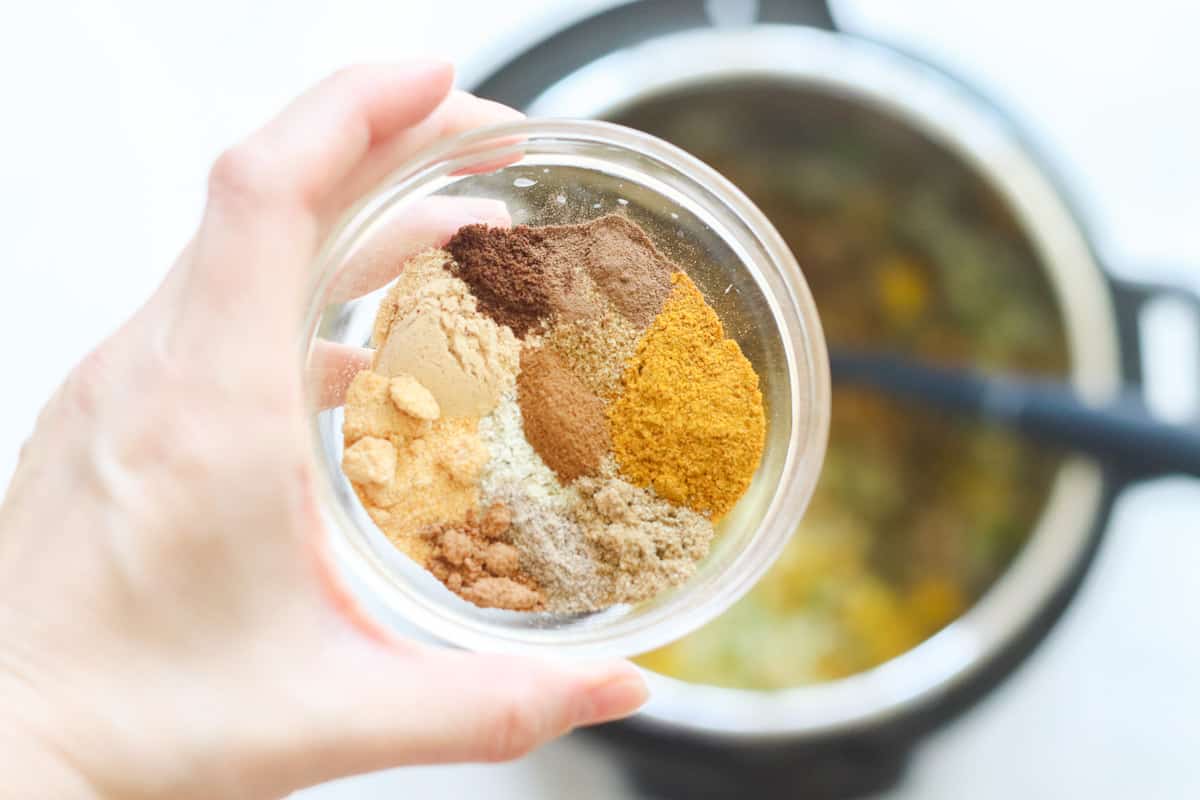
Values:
[(689, 420)]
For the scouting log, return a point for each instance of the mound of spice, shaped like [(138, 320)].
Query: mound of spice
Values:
[(564, 419), (554, 419), (476, 560), (690, 419)]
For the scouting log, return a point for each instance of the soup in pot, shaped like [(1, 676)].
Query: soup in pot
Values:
[(905, 250)]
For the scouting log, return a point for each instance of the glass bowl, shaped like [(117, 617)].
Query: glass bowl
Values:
[(556, 172)]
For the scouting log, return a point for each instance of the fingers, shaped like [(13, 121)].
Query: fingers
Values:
[(458, 113), (332, 367), (306, 152), (272, 197), (427, 223), (261, 226), (497, 708)]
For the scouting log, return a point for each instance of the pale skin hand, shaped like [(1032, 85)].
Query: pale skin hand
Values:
[(169, 626)]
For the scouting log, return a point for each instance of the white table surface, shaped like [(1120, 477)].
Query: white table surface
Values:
[(115, 108)]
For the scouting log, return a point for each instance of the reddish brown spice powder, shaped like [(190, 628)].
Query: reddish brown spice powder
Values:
[(564, 420)]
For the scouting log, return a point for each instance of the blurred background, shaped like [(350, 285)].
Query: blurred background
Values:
[(1009, 187)]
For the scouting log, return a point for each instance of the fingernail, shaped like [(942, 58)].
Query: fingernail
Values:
[(618, 696), (427, 65), (450, 213), (489, 212)]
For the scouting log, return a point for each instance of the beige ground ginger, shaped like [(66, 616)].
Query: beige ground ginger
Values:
[(430, 328)]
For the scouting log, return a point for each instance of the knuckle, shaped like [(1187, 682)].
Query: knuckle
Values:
[(84, 384), (516, 731), (347, 74), (352, 78), (165, 435), (24, 451), (243, 173), (186, 454), (149, 440)]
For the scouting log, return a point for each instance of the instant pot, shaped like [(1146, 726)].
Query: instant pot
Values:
[(854, 736)]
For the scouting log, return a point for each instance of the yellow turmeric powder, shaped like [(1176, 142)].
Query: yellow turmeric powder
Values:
[(689, 420)]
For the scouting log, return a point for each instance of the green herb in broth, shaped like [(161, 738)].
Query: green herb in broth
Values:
[(915, 514)]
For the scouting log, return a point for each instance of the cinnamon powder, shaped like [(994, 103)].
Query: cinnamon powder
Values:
[(564, 420)]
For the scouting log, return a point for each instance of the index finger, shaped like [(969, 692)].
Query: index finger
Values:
[(305, 152), (263, 220)]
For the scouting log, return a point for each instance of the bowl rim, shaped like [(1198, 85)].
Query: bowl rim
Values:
[(786, 293)]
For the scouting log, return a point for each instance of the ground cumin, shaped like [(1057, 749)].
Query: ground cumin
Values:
[(689, 421)]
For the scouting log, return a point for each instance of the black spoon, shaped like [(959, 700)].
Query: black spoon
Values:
[(1123, 435)]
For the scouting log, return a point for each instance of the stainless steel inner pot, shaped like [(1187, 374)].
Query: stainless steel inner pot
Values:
[(943, 111)]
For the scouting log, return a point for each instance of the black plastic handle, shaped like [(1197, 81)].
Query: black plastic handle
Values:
[(1137, 445), (1130, 299), (1123, 434), (519, 82)]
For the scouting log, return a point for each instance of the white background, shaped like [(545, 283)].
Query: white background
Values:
[(116, 107)]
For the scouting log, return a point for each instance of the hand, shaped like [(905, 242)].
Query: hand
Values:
[(169, 624)]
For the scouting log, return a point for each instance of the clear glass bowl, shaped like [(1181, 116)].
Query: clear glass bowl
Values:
[(555, 172)]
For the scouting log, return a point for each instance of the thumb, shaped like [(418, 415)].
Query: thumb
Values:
[(416, 704), (478, 707)]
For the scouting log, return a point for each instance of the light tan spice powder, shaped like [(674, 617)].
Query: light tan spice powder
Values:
[(429, 327), (643, 544)]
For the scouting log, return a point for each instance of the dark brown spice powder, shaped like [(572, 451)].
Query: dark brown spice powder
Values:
[(507, 272), (523, 276)]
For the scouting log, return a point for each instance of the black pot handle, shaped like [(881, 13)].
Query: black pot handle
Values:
[(528, 74), (1130, 298)]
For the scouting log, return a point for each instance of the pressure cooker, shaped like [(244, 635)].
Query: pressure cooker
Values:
[(854, 735)]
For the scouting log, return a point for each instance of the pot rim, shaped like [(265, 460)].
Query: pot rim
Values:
[(948, 114)]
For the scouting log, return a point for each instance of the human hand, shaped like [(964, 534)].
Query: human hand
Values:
[(169, 623)]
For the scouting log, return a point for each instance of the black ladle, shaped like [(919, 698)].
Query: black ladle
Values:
[(1123, 435)]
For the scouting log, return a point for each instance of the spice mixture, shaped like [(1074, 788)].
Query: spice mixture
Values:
[(554, 418)]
